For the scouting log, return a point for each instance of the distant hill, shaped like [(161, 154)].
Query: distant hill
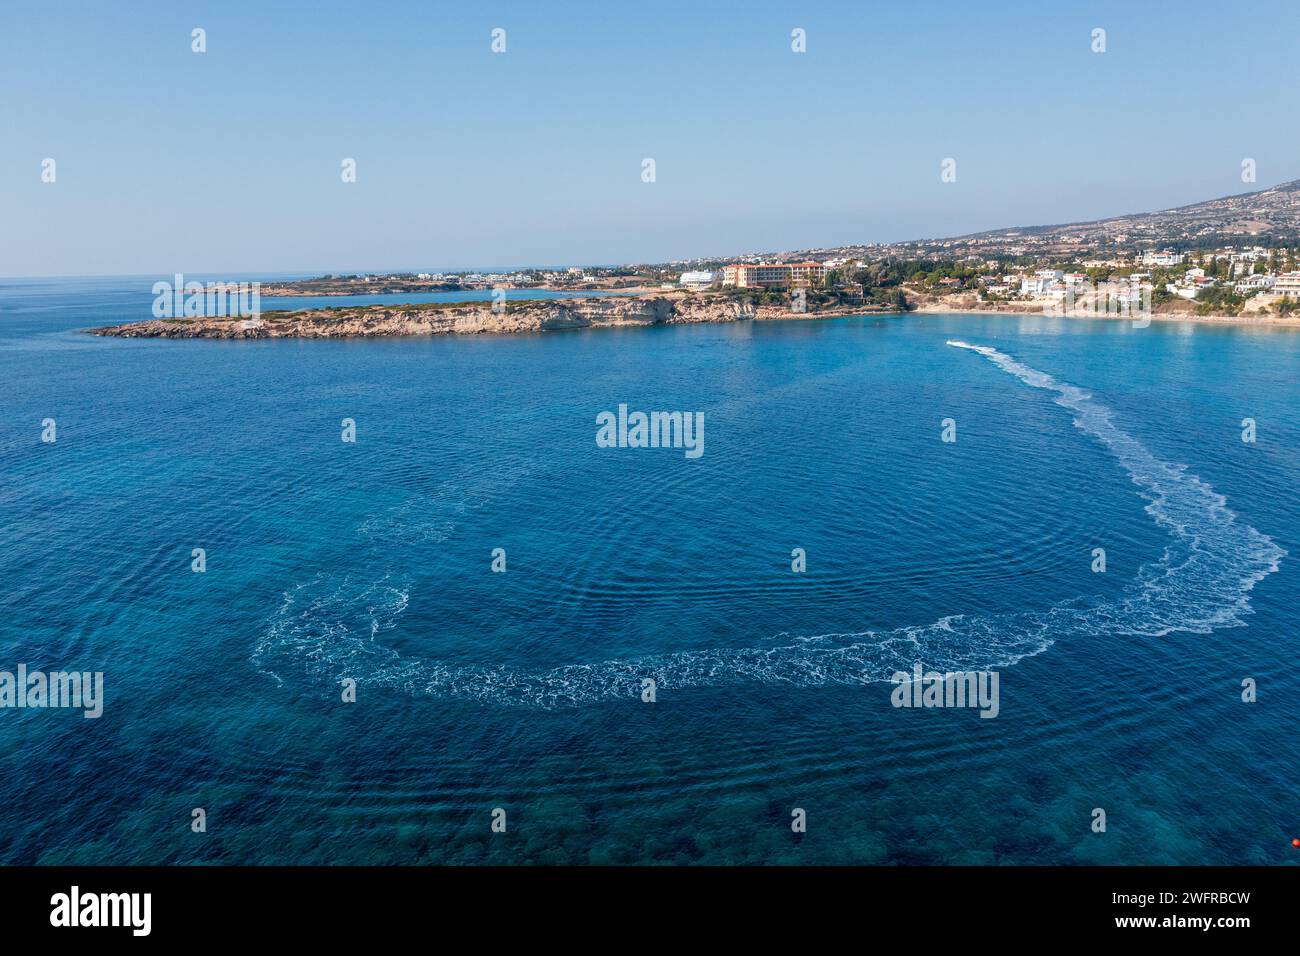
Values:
[(1269, 216)]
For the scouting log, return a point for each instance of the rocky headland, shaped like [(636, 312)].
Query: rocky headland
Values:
[(472, 318)]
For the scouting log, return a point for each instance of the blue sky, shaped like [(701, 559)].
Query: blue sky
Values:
[(229, 161)]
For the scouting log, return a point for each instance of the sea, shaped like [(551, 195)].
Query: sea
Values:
[(472, 634)]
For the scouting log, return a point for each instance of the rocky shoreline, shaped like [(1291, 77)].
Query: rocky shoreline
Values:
[(470, 318), (526, 316)]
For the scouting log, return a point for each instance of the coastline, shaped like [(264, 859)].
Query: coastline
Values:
[(474, 318), (1255, 320), (557, 315)]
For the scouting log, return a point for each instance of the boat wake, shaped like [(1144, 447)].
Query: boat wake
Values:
[(330, 628)]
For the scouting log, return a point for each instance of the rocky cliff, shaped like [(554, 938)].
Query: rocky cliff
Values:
[(536, 315)]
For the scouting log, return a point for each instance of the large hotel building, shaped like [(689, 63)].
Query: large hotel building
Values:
[(1288, 284), (761, 275)]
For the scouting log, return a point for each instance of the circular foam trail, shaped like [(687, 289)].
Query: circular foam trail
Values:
[(331, 627)]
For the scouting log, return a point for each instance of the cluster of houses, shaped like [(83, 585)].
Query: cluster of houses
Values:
[(1246, 273), (1243, 267), (1058, 284), (477, 280), (488, 280)]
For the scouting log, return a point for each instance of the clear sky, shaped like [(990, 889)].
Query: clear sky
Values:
[(229, 161)]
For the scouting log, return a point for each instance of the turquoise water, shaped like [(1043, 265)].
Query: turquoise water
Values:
[(476, 690)]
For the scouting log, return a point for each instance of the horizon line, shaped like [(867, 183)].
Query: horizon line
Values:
[(314, 273)]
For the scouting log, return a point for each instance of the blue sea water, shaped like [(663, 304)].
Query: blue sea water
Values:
[(522, 691)]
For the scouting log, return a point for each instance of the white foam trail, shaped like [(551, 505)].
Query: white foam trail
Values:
[(1202, 582)]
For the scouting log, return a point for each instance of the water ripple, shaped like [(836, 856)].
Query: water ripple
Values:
[(329, 628)]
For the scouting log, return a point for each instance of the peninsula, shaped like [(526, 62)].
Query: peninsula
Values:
[(468, 318)]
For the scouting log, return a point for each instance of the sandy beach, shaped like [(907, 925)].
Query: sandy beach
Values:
[(1253, 320)]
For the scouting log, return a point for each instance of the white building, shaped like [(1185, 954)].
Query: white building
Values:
[(1256, 283), (1192, 284), (1043, 282), (1288, 283), (696, 280)]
